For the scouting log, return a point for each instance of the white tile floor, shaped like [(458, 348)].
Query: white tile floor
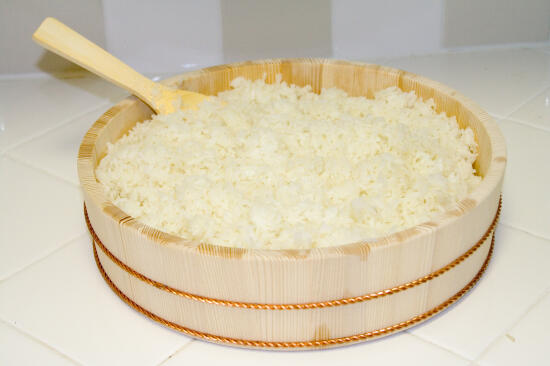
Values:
[(536, 112), (499, 80), (32, 106), (55, 309), (20, 349)]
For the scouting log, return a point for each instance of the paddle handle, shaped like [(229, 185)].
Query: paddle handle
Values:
[(57, 37)]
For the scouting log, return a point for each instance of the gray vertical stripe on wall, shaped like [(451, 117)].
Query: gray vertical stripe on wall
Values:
[(478, 22), (285, 28), (20, 18)]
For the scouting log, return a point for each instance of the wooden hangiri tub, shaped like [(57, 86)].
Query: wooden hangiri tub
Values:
[(297, 298)]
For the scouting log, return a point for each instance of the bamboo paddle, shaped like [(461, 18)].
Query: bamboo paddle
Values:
[(57, 37)]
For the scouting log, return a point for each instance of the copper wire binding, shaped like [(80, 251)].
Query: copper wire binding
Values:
[(297, 345), (324, 304)]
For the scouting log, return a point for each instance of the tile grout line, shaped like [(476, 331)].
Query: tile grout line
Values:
[(497, 116), (41, 75), (30, 165), (44, 257), (39, 341), (520, 318), (528, 100), (25, 76), (428, 341), (83, 74), (530, 46), (512, 226), (176, 352), (533, 46), (545, 292), (65, 122), (527, 124)]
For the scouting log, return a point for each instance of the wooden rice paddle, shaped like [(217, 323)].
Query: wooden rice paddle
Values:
[(57, 37)]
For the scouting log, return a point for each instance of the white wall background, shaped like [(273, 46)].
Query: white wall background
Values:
[(164, 35), (365, 29), (171, 36)]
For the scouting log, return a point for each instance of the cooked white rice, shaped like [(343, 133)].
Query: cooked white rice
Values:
[(278, 166)]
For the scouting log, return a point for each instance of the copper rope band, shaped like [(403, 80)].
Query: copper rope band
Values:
[(308, 344), (325, 304)]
